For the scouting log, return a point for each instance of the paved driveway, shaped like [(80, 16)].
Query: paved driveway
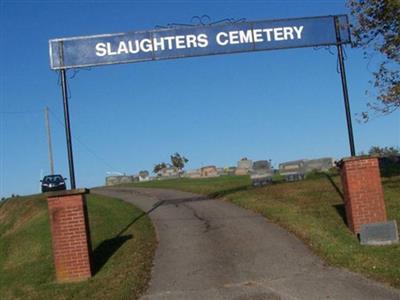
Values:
[(211, 249)]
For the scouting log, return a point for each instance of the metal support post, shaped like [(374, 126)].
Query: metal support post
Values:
[(344, 88), (67, 128)]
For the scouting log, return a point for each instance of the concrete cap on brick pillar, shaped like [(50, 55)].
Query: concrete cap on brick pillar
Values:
[(67, 193), (354, 158)]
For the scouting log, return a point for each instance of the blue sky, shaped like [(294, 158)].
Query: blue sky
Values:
[(280, 105)]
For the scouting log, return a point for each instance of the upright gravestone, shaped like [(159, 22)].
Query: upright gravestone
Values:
[(144, 175), (244, 166), (261, 173), (196, 173), (293, 170), (319, 164), (209, 171), (112, 180), (262, 166)]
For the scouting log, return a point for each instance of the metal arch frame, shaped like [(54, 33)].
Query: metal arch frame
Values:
[(344, 88), (64, 85)]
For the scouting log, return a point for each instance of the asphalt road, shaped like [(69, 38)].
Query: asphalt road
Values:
[(211, 249)]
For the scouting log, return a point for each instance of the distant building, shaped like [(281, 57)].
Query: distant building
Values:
[(209, 171)]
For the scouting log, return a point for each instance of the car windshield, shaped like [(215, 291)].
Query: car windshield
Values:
[(53, 179)]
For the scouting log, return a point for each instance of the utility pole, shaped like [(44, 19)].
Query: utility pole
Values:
[(40, 182), (46, 116)]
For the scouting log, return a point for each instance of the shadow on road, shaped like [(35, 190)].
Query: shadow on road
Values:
[(108, 247)]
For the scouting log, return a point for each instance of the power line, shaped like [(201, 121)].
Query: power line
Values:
[(21, 112), (87, 148)]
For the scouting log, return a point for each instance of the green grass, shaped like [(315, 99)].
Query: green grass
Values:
[(123, 263), (313, 210), (214, 187)]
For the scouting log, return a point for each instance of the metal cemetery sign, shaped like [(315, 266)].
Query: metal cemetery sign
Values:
[(190, 41)]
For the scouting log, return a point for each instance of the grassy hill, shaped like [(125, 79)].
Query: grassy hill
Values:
[(122, 261), (313, 210)]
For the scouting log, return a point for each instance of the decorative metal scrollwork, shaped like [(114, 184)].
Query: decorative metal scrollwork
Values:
[(203, 20)]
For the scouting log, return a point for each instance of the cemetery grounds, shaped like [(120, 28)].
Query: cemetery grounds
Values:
[(311, 209)]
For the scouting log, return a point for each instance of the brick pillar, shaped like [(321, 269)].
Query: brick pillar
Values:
[(70, 235), (363, 193)]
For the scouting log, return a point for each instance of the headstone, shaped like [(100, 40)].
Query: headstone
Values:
[(244, 166), (192, 173), (319, 164), (114, 180), (379, 234), (209, 171), (229, 170), (261, 179), (111, 180), (244, 163), (293, 170), (143, 175), (221, 171), (127, 179), (261, 173), (261, 165), (169, 172)]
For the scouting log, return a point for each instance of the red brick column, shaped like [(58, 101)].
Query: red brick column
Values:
[(70, 235), (363, 193)]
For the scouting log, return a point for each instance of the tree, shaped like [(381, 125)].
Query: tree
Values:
[(377, 30), (158, 167), (178, 161), (384, 151)]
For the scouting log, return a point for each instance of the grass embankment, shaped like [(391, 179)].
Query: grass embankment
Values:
[(313, 210), (122, 258)]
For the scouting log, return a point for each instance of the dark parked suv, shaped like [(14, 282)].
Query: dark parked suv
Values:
[(53, 183)]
